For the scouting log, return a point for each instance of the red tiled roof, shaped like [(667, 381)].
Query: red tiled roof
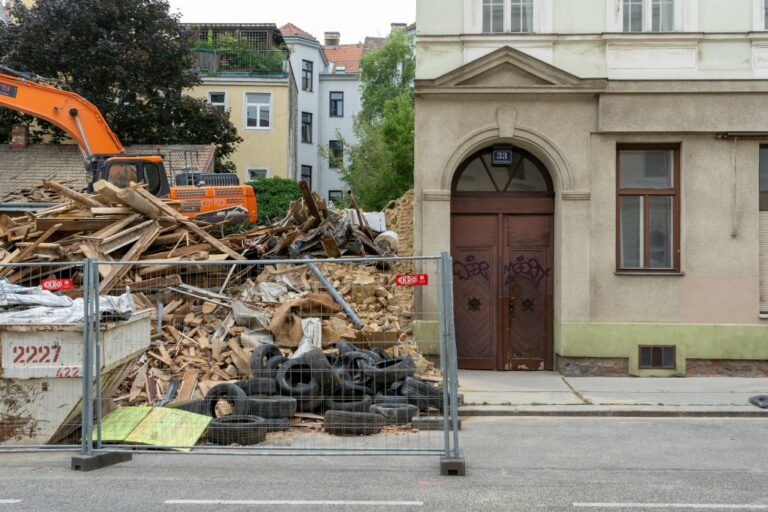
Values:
[(347, 56), (289, 29)]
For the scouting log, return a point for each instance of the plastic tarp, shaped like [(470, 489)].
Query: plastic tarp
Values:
[(110, 308), (313, 336), (12, 295)]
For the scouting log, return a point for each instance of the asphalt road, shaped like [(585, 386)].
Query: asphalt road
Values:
[(514, 464)]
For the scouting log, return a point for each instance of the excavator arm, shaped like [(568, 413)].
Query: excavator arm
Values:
[(79, 118)]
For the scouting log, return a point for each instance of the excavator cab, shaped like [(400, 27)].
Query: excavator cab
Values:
[(122, 170)]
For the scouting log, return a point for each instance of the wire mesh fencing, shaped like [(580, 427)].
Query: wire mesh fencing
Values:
[(301, 356), (42, 337)]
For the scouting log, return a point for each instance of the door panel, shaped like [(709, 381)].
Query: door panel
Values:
[(526, 281), (475, 271), (503, 290)]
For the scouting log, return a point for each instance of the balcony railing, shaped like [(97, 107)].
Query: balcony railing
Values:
[(246, 63)]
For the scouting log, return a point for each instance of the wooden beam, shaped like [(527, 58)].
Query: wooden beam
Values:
[(31, 249), (157, 284), (115, 210), (133, 254), (310, 202), (115, 228), (127, 197), (160, 204), (71, 194), (123, 238), (91, 252), (215, 242)]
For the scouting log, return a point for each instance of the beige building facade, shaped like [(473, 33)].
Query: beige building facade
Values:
[(600, 194)]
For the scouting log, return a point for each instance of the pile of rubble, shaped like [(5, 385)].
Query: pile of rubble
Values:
[(113, 225), (209, 319), (204, 338)]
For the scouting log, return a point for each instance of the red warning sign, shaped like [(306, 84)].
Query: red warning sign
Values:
[(412, 280)]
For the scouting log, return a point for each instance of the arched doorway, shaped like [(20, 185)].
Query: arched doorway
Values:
[(502, 241)]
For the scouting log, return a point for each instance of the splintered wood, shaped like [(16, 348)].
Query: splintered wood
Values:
[(120, 225), (207, 317)]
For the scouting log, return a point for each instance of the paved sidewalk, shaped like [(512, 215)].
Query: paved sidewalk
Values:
[(548, 393)]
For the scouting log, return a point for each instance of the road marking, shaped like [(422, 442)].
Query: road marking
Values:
[(298, 503), (9, 502), (689, 506)]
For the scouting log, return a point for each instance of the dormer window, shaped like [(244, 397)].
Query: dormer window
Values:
[(508, 16)]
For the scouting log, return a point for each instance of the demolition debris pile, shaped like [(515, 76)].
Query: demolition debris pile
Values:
[(216, 325)]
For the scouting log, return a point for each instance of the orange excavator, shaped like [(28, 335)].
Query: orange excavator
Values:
[(107, 159)]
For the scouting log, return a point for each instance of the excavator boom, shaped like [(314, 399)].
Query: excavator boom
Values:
[(106, 157), (79, 118)]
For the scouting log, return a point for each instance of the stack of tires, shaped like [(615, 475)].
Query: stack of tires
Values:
[(358, 392)]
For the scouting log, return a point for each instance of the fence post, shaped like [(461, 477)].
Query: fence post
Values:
[(453, 464), (96, 323), (442, 321), (87, 460), (86, 412)]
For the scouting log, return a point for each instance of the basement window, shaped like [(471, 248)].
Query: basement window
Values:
[(658, 357)]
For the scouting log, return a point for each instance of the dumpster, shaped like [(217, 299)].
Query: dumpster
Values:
[(41, 375)]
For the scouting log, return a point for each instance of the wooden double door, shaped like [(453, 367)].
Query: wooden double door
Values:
[(503, 282)]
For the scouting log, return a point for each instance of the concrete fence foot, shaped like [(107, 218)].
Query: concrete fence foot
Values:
[(99, 461), (453, 466)]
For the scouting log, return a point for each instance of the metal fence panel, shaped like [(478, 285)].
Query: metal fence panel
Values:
[(42, 306), (298, 356)]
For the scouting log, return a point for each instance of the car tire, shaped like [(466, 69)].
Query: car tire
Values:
[(424, 394), (344, 346), (343, 423), (260, 356), (241, 430), (381, 398), (360, 404), (272, 407), (395, 414), (296, 379), (324, 373), (260, 386), (272, 365), (229, 393), (385, 373)]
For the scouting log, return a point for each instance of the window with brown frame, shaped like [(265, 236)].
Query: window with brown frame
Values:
[(648, 208)]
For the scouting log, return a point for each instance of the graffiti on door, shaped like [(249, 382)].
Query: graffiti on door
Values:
[(530, 269), (470, 268)]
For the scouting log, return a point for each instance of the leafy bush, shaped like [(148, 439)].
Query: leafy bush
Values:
[(273, 197)]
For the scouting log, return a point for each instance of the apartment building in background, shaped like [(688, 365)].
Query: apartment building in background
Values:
[(329, 100), (599, 171), (245, 69)]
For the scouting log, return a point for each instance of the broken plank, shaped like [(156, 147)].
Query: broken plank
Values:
[(138, 248), (31, 249), (71, 194), (121, 239), (207, 237), (114, 228), (113, 210), (188, 385), (156, 284)]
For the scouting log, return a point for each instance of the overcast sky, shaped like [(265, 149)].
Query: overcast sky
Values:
[(355, 19)]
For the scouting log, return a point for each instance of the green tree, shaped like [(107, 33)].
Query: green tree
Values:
[(380, 165), (131, 58)]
